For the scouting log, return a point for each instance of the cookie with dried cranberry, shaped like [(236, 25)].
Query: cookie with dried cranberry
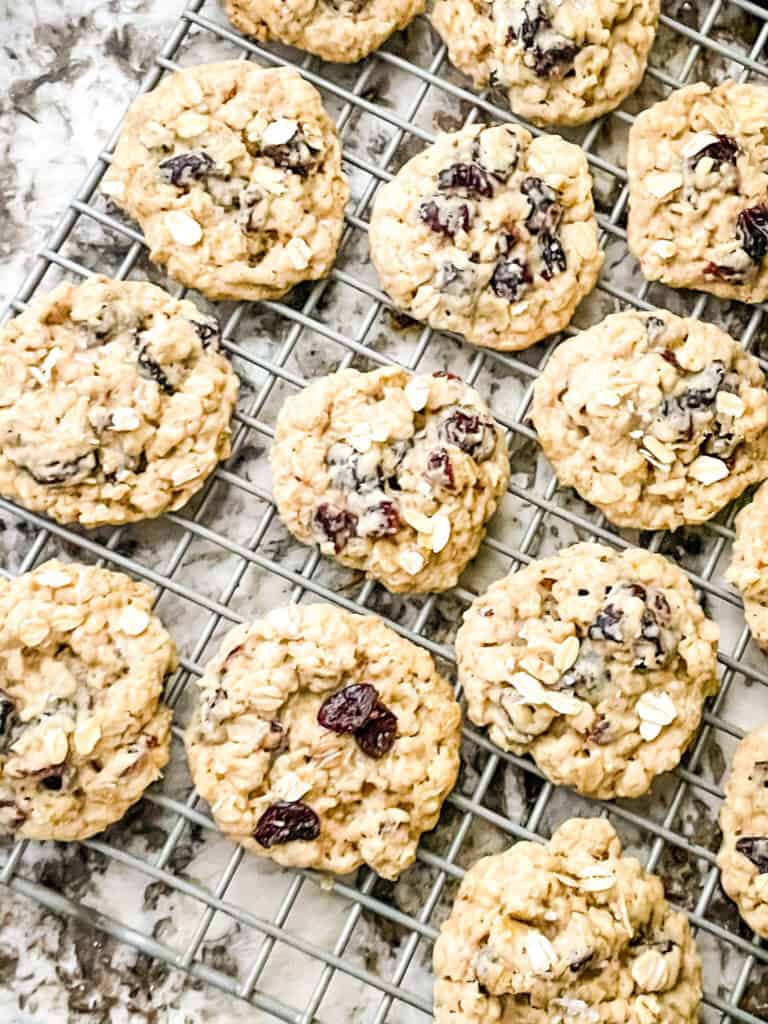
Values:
[(743, 856), (569, 932), (393, 474), (656, 419), (115, 402), (323, 739), (337, 30), (82, 731), (749, 564), (489, 233), (233, 172), (595, 662), (559, 61), (698, 182)]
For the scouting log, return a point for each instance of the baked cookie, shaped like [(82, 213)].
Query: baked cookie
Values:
[(344, 31), (490, 233), (115, 402), (393, 474), (698, 181), (571, 932), (234, 174), (560, 61), (595, 662), (323, 739), (655, 419), (743, 857), (82, 732), (749, 564)]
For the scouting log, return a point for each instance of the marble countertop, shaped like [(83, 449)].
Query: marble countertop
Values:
[(67, 70)]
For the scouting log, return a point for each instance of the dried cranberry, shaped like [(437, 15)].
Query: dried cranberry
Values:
[(531, 19), (57, 472), (755, 848), (149, 369), (443, 219), (724, 151), (703, 387), (379, 733), (469, 178), (349, 709), (669, 357), (474, 434), (607, 625), (554, 61), (599, 733), (386, 519), (722, 270), (440, 469), (447, 374), (208, 331), (510, 278), (654, 327), (752, 232), (337, 524), (296, 155), (285, 822), (544, 212), (185, 168), (7, 717), (553, 254)]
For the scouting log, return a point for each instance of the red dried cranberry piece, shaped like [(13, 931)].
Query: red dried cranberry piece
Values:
[(443, 220), (469, 178), (555, 61), (755, 848), (722, 270), (285, 822), (379, 733), (185, 168), (510, 278), (752, 232), (553, 255), (337, 524), (724, 151), (349, 709), (474, 434), (544, 212), (387, 518), (447, 374), (296, 155), (440, 469)]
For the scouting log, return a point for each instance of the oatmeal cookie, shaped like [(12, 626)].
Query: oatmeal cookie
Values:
[(115, 402), (490, 233), (82, 732), (595, 662), (749, 565), (698, 181), (571, 932), (344, 31), (389, 473), (743, 857), (234, 174), (323, 739), (655, 419), (560, 61)]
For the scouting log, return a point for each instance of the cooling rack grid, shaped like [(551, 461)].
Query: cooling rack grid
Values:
[(301, 948)]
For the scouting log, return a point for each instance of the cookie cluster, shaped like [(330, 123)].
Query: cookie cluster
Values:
[(323, 739)]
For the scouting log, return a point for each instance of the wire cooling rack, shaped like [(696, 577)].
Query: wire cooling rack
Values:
[(300, 948)]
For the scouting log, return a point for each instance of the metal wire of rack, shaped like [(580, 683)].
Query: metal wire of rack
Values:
[(391, 102)]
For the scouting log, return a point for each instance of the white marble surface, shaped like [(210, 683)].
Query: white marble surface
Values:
[(66, 72)]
